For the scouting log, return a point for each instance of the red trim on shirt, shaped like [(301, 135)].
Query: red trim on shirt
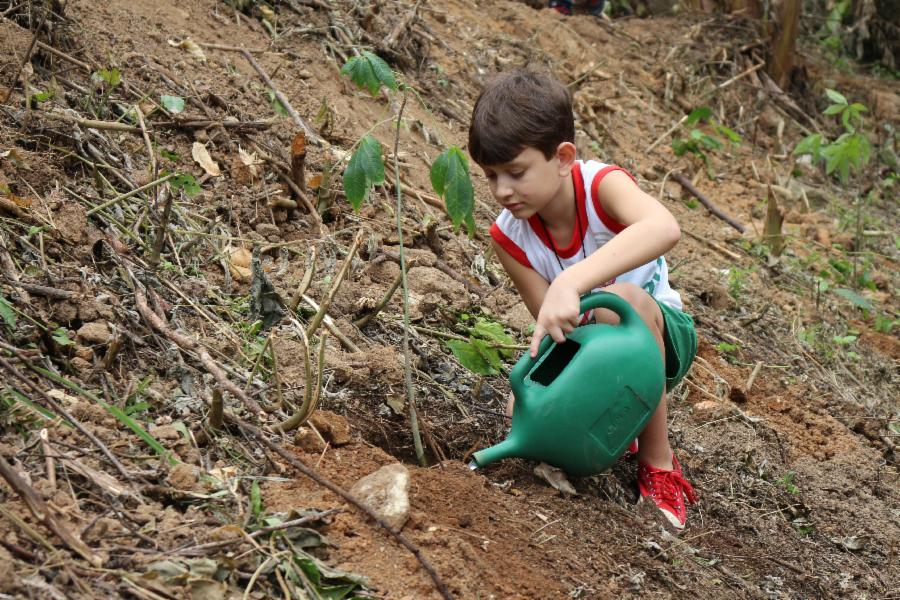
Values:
[(510, 246), (611, 223), (580, 202)]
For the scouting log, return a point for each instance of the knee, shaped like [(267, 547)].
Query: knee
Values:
[(642, 302)]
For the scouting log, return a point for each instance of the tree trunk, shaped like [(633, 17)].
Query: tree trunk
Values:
[(784, 29)]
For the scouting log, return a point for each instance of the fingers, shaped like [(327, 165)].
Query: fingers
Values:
[(536, 338), (557, 333)]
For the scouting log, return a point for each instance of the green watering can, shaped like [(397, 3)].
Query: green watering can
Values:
[(579, 404)]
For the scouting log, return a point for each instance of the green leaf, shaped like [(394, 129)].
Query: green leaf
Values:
[(450, 180), (854, 298), (137, 429), (42, 96), (729, 133), (256, 504), (7, 313), (491, 331), (173, 104), (369, 71), (277, 106), (490, 355), (702, 113), (835, 97), (61, 337), (834, 109), (811, 145), (186, 183), (364, 171), (850, 151), (469, 357), (111, 77)]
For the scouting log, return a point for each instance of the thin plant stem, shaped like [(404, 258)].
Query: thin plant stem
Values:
[(407, 361)]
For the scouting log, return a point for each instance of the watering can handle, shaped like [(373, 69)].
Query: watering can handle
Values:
[(615, 303)]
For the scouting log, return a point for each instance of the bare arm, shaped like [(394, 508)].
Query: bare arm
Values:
[(650, 231), (531, 286)]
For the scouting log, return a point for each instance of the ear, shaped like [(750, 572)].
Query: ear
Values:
[(566, 154)]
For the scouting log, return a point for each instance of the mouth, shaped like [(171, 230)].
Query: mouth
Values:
[(513, 207)]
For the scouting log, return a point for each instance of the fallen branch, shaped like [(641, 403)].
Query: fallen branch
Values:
[(56, 408), (42, 513), (326, 303), (732, 255), (190, 345), (201, 549), (332, 327), (364, 320), (686, 184), (293, 461), (312, 391), (304, 283)]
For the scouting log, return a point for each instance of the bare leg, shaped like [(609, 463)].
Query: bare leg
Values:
[(653, 447)]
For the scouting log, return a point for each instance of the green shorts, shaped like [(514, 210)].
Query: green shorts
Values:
[(680, 339)]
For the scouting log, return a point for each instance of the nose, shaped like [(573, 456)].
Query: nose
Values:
[(502, 188)]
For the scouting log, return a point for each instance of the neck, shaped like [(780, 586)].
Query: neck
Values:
[(559, 214)]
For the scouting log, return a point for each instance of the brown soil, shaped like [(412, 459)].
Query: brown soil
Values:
[(796, 474)]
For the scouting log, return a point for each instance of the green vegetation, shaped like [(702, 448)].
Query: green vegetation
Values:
[(486, 347), (849, 152), (698, 142)]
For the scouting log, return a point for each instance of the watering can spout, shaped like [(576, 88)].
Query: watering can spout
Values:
[(505, 449)]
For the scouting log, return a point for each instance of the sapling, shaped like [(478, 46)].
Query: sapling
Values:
[(365, 169), (850, 151)]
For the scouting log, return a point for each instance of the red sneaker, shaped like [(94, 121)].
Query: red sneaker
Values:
[(668, 490), (632, 447)]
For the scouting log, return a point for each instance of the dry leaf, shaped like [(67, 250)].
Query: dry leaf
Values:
[(397, 404), (201, 155), (239, 264), (58, 394), (250, 160), (20, 202), (555, 477), (191, 46), (267, 13), (314, 182)]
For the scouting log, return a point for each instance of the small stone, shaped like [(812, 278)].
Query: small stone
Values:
[(386, 492), (708, 409), (823, 236), (268, 230), (304, 74), (183, 476), (165, 432), (84, 352), (307, 440), (96, 332), (79, 365), (717, 297), (333, 427)]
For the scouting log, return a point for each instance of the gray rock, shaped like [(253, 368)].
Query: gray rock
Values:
[(386, 492)]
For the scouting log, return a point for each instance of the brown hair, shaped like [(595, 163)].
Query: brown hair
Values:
[(517, 110)]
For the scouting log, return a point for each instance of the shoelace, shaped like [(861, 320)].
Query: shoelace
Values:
[(671, 487)]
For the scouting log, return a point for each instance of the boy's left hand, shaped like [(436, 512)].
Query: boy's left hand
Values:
[(558, 315)]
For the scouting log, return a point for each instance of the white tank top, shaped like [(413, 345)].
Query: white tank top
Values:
[(527, 241)]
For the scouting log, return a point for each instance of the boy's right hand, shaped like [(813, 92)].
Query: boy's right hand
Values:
[(558, 315)]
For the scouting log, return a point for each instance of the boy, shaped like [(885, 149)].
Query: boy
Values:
[(568, 227)]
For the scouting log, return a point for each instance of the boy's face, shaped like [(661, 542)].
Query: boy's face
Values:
[(526, 184)]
